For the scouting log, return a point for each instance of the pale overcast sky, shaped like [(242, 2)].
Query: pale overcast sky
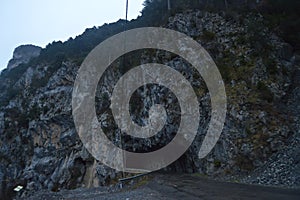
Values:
[(40, 22)]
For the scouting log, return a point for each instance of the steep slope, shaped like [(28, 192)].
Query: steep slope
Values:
[(40, 148)]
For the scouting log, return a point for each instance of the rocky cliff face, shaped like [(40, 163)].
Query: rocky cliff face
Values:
[(23, 54), (40, 148)]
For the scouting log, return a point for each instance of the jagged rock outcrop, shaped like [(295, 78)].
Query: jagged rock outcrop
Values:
[(40, 148), (23, 54)]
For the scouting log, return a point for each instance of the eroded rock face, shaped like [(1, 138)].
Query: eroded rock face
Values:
[(40, 148), (23, 54)]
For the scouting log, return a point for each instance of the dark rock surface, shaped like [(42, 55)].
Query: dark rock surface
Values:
[(40, 148)]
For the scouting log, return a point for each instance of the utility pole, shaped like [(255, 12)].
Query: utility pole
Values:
[(169, 5), (126, 9), (226, 4)]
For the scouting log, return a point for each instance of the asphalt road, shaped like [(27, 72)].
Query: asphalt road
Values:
[(181, 187)]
